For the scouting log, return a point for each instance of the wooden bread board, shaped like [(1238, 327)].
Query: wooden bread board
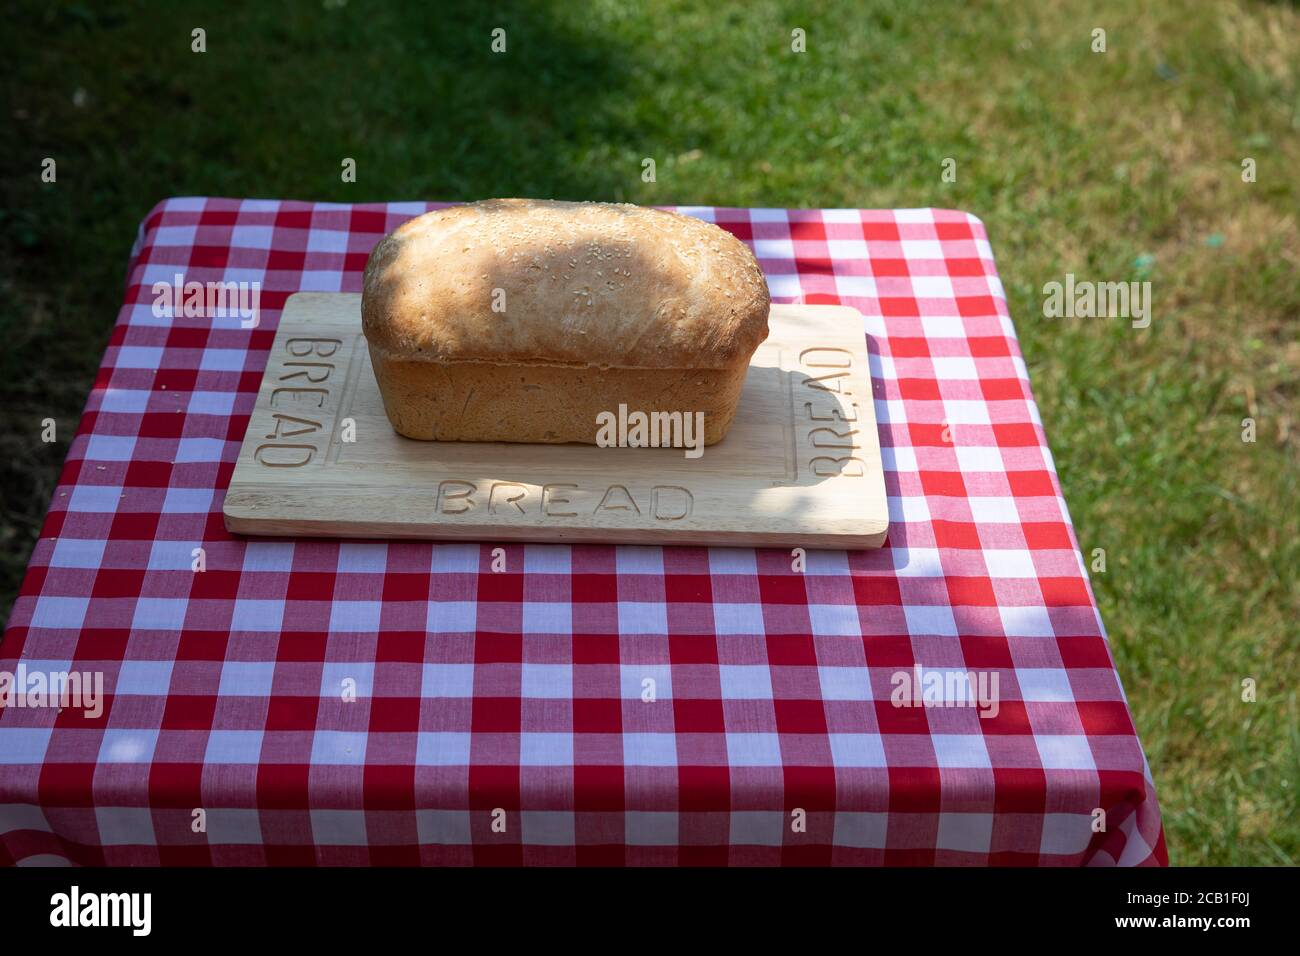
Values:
[(800, 466)]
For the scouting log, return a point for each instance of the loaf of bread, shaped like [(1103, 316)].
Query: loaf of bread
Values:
[(523, 320)]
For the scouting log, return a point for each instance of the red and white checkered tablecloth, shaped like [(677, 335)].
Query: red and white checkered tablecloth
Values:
[(500, 717)]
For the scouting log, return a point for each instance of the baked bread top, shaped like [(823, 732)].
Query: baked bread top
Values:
[(581, 284)]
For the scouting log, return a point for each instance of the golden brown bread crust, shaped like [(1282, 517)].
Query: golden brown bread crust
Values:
[(582, 284), (479, 401)]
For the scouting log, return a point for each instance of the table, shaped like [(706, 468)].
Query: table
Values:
[(363, 702)]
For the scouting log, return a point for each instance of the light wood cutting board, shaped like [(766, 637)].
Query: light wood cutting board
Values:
[(800, 466)]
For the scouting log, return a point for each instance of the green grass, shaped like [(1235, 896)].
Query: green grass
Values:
[(1114, 166)]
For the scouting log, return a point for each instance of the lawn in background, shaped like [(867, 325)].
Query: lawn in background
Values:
[(1115, 166)]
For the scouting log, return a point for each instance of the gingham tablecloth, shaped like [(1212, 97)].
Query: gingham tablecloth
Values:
[(501, 717)]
